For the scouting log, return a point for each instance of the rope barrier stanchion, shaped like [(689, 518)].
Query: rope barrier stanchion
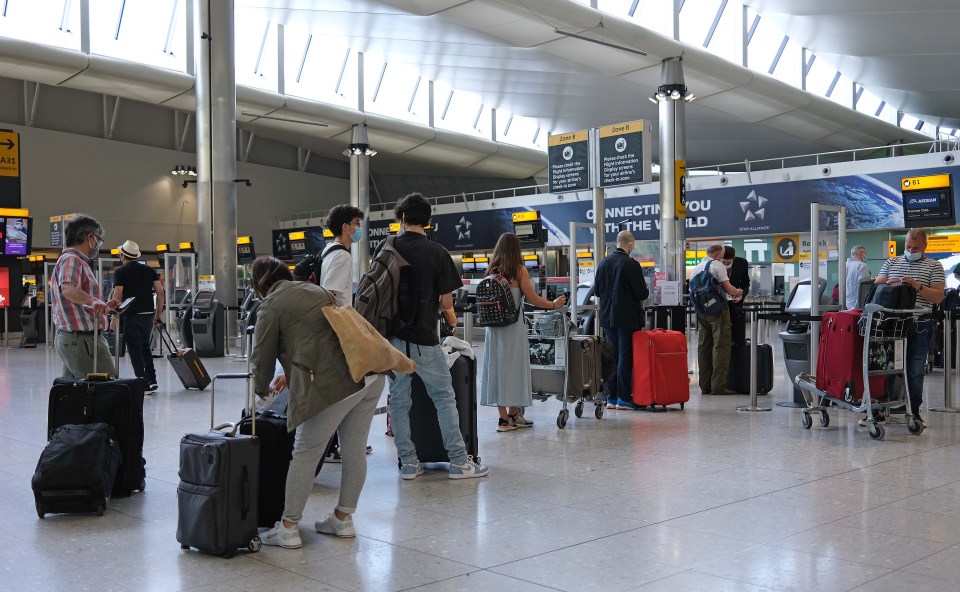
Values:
[(752, 407), (948, 367)]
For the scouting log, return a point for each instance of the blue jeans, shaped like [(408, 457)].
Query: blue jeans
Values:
[(918, 348), (621, 385), (432, 370)]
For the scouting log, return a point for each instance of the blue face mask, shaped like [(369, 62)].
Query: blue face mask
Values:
[(357, 234), (913, 256)]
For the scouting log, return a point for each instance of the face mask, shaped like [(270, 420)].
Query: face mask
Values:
[(913, 256), (357, 234), (728, 265)]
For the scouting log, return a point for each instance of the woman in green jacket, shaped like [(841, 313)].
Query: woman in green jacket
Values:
[(324, 398)]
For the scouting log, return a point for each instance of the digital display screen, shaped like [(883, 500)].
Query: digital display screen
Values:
[(469, 267), (531, 263), (203, 299), (246, 253), (482, 265), (524, 231), (16, 236), (933, 204), (801, 299)]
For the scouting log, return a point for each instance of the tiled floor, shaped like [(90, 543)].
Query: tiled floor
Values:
[(702, 499)]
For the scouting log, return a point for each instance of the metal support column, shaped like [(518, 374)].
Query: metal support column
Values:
[(216, 91), (671, 96), (359, 153)]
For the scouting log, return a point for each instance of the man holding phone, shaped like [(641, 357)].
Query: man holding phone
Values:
[(138, 280)]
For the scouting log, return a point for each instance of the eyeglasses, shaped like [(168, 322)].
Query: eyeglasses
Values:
[(98, 238)]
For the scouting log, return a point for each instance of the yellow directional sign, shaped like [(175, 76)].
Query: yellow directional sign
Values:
[(941, 243), (528, 216), (9, 154), (927, 182), (892, 248)]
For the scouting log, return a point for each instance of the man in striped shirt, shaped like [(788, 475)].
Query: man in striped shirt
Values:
[(926, 276), (77, 301)]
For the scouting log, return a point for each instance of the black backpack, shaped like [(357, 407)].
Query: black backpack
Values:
[(310, 266), (495, 305)]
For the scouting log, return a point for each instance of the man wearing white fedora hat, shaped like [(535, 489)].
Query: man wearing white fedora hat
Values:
[(134, 278)]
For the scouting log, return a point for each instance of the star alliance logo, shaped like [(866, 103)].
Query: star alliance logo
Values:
[(463, 228), (753, 208)]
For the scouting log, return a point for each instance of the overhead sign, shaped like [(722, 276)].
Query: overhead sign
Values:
[(568, 161), (9, 169), (939, 243), (925, 182), (624, 151), (892, 248), (786, 249), (56, 231), (526, 216)]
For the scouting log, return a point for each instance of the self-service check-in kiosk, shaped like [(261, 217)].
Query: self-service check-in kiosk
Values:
[(30, 322), (796, 338), (207, 324)]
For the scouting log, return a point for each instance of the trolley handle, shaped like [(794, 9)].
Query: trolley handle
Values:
[(871, 308)]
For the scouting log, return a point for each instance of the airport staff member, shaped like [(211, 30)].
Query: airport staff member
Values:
[(856, 271), (738, 271), (77, 302), (927, 277), (133, 278)]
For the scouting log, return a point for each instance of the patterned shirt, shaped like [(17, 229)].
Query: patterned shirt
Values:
[(926, 271), (73, 268)]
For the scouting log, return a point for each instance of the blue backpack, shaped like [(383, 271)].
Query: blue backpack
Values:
[(706, 293)]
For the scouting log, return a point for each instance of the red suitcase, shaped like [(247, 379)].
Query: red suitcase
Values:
[(840, 359), (660, 368)]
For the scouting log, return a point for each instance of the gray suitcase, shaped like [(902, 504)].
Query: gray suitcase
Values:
[(584, 375), (218, 493)]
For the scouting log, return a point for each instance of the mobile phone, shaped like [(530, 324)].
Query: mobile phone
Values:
[(126, 302)]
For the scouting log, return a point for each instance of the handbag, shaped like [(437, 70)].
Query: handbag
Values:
[(366, 351)]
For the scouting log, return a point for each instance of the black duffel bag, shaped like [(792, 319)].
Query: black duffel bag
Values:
[(895, 296)]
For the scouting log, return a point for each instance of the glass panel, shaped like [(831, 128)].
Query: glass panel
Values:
[(461, 112), (843, 92), (820, 76), (322, 69), (889, 114), (727, 41), (656, 15), (40, 20), (764, 44), (521, 129), (138, 31), (789, 66), (868, 103), (696, 16), (398, 84), (255, 69)]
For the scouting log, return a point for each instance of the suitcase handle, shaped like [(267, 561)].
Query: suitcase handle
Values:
[(249, 398)]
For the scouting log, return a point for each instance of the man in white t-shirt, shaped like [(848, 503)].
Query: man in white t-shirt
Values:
[(713, 345), (856, 272)]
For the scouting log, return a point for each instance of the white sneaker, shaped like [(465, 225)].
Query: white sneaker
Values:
[(333, 525), (411, 471), (281, 536), (520, 421), (468, 470)]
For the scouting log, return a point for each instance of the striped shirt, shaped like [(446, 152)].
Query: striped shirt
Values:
[(926, 271), (73, 268)]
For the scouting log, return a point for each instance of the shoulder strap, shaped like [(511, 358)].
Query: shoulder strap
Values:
[(335, 246)]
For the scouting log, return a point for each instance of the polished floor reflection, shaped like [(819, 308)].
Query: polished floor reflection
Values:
[(707, 498)]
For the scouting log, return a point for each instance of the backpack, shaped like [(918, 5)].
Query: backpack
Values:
[(310, 266), (895, 296), (706, 293), (495, 305), (378, 298)]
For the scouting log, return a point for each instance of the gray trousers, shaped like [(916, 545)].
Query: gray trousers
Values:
[(76, 351), (350, 417)]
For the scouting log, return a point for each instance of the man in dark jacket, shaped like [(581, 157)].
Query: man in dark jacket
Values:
[(620, 286), (739, 273)]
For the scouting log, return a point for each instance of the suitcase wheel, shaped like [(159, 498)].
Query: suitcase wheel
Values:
[(185, 547), (598, 410), (578, 410), (681, 406), (100, 510), (255, 544), (41, 513)]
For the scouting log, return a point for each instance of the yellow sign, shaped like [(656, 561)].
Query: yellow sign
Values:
[(114, 251), (205, 278), (482, 259), (786, 248), (805, 255), (467, 260), (680, 189), (526, 216), (298, 235), (531, 257), (585, 255), (9, 154), (892, 248), (187, 246), (163, 247), (244, 240), (621, 128), (927, 182), (14, 212), (940, 243), (568, 138), (327, 233), (394, 227), (648, 264)]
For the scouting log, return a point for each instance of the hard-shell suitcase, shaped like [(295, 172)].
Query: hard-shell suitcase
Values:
[(584, 366), (118, 403), (424, 426), (840, 359), (76, 470), (186, 363), (660, 368), (217, 497), (738, 376)]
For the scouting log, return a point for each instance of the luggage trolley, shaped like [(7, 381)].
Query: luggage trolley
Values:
[(884, 333), (552, 348)]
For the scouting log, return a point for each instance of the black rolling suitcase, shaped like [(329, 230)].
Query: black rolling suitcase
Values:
[(76, 470), (424, 427), (186, 363), (738, 376), (217, 497)]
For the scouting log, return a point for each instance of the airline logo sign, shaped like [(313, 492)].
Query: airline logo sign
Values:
[(787, 249), (568, 161)]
